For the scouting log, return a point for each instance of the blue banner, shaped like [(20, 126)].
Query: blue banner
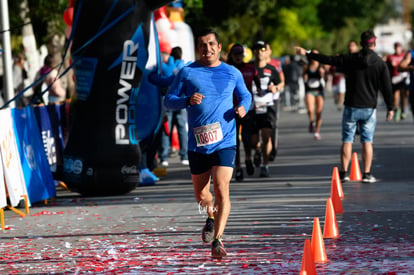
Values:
[(38, 177), (48, 137), (57, 119)]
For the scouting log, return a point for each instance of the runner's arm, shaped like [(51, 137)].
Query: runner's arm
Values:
[(405, 64), (173, 99)]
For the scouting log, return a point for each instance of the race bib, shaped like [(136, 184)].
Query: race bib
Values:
[(261, 103), (208, 134), (313, 83), (261, 110), (397, 78)]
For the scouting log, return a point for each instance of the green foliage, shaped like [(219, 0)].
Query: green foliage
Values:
[(46, 17), (367, 12), (327, 25), (193, 4)]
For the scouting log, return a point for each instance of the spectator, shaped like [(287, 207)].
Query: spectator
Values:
[(176, 118), (19, 77), (292, 72), (48, 76)]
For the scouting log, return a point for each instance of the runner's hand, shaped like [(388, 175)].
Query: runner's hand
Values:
[(300, 50), (196, 98), (272, 88), (240, 111)]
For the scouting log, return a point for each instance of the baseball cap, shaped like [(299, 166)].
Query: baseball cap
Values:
[(176, 4), (367, 37), (259, 45), (237, 49)]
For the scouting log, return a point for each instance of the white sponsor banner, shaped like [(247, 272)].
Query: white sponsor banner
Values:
[(10, 159), (3, 201)]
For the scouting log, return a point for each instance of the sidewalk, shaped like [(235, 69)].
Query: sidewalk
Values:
[(156, 229)]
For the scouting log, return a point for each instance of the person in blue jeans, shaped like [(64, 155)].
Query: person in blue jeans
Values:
[(172, 64), (366, 74), (177, 118)]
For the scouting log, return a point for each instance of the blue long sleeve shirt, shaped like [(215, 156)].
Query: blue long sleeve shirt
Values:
[(211, 124)]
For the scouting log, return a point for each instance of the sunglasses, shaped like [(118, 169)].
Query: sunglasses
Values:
[(261, 49)]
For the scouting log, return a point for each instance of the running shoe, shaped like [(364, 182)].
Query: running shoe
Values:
[(343, 176), (403, 115), (217, 249), (397, 115), (368, 178), (257, 158), (317, 136), (239, 174), (146, 177), (273, 154), (264, 171), (302, 110), (249, 167), (208, 231), (311, 127)]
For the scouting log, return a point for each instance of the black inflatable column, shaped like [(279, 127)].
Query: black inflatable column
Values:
[(110, 41)]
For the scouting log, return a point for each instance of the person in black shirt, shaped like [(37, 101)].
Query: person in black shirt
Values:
[(266, 107)]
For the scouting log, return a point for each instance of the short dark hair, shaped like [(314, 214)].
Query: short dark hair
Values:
[(48, 60), (367, 38), (207, 31), (19, 57), (177, 52), (237, 48)]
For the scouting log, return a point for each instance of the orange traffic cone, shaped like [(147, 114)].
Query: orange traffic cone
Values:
[(336, 200), (355, 170), (317, 244), (330, 228), (337, 181), (175, 143), (308, 264), (2, 219)]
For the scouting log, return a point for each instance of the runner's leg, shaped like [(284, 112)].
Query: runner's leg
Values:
[(221, 180), (204, 198)]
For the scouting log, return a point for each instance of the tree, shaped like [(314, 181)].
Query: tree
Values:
[(282, 23), (355, 16), (239, 21), (45, 16)]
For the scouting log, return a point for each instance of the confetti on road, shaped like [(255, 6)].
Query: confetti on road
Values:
[(172, 245)]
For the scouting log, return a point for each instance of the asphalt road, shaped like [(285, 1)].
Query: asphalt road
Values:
[(156, 229)]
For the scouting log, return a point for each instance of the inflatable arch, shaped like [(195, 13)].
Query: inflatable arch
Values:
[(110, 55)]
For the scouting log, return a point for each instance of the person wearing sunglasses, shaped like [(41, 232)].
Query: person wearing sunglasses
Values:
[(266, 107)]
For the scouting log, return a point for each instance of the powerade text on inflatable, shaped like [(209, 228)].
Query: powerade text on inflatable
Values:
[(109, 51)]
